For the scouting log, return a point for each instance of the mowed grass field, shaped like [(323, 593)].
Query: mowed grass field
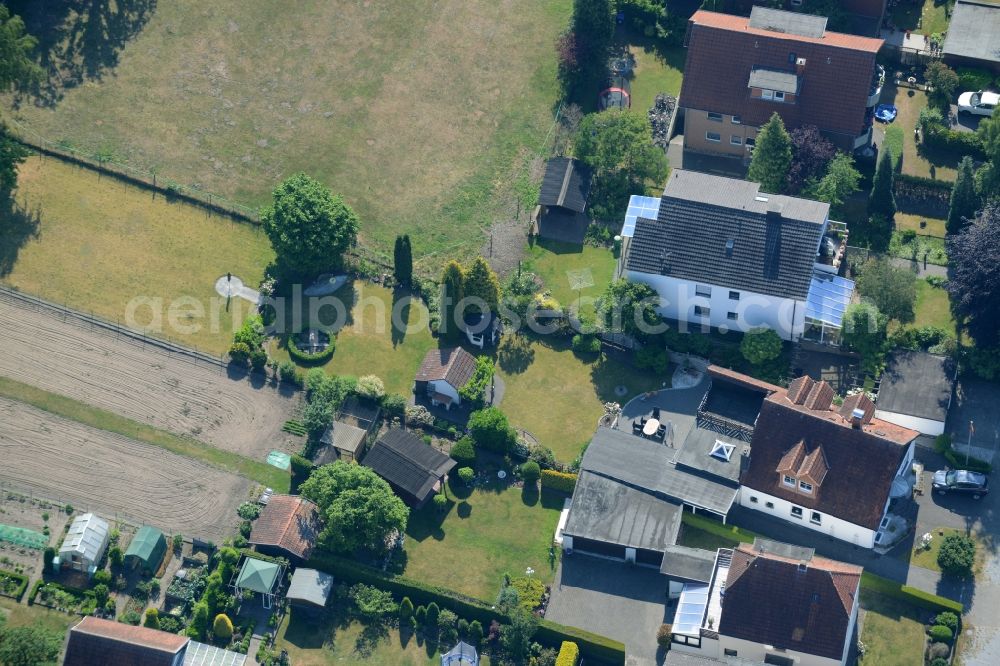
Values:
[(417, 112), (101, 243)]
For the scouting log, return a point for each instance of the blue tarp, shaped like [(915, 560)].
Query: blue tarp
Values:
[(639, 206), (829, 296)]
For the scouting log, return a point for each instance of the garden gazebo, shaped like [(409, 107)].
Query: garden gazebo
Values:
[(462, 654), (260, 577)]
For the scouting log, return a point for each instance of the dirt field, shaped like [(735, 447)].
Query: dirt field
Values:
[(144, 384), (114, 476)]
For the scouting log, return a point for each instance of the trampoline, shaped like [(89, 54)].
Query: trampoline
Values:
[(885, 113)]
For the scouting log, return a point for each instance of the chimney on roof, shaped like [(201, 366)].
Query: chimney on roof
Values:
[(857, 418), (800, 66)]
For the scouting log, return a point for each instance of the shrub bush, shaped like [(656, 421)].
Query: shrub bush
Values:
[(938, 651), (420, 615), (569, 654), (289, 374), (663, 635), (239, 353), (152, 619), (222, 627), (491, 430), (464, 452), (433, 613), (586, 344), (394, 404), (131, 617), (258, 359), (653, 359), (305, 358), (371, 387), (530, 472), (938, 137), (957, 554), (939, 661), (947, 619), (405, 609), (440, 503), (561, 481), (941, 634), (529, 592), (475, 633), (973, 79), (466, 475)]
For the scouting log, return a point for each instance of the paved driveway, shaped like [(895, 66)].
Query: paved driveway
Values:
[(613, 599)]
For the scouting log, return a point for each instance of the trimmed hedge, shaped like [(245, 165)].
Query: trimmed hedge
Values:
[(944, 185), (304, 358), (569, 654), (564, 482), (962, 143), (22, 584), (592, 646), (715, 527), (911, 595)]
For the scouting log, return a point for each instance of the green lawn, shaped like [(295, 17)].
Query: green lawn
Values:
[(693, 537), (483, 535), (94, 417), (22, 615), (926, 18), (935, 226), (561, 266), (932, 307), (101, 243), (933, 246), (336, 640), (657, 69), (558, 396), (892, 631), (418, 112), (368, 343), (928, 558), (917, 161)]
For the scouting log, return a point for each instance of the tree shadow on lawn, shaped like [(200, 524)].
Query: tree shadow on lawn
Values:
[(18, 225), (559, 247), (314, 632), (515, 354), (369, 639), (401, 301), (530, 494), (427, 521)]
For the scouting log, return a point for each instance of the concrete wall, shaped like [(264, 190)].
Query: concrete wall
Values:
[(679, 298), (829, 525), (921, 425), (756, 652), (697, 124)]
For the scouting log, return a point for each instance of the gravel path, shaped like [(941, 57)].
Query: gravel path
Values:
[(144, 383), (95, 470)]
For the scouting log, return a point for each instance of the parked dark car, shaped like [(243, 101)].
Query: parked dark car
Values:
[(961, 481)]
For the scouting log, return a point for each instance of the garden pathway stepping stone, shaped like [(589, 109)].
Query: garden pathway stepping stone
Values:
[(230, 285)]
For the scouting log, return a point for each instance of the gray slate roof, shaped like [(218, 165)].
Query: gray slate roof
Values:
[(688, 564), (793, 23), (775, 238), (566, 184), (343, 436), (644, 464), (611, 512), (402, 459), (773, 79), (916, 384), (973, 31), (310, 585)]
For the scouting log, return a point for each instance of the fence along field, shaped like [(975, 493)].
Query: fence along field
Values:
[(415, 111)]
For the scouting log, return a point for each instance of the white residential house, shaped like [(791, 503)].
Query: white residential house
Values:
[(721, 253), (771, 603), (834, 470), (85, 543), (442, 375)]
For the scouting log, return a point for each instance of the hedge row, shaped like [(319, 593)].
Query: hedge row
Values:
[(561, 481), (569, 654), (592, 646), (910, 595), (964, 143), (22, 584), (715, 527), (304, 358), (958, 461), (920, 181)]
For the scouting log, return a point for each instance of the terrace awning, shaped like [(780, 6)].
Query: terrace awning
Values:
[(829, 296)]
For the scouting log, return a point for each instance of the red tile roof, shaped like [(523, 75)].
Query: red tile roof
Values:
[(288, 522), (451, 364), (95, 641), (834, 84), (746, 381), (771, 600)]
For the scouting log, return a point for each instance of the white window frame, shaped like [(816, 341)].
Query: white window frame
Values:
[(805, 487), (779, 96), (769, 505), (766, 94), (816, 518), (732, 316), (703, 290), (788, 480), (702, 311), (797, 512), (715, 117), (753, 499), (736, 120), (717, 139), (735, 140)]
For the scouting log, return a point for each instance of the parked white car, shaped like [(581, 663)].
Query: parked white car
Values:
[(978, 103)]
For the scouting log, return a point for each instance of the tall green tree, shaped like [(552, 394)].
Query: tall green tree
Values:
[(865, 332), (974, 277), (402, 264), (309, 228), (772, 156), (760, 345), (944, 83), (481, 282), (988, 177), (12, 155), (359, 508), (964, 200), (893, 290), (28, 646), (583, 49), (17, 68), (882, 201), (618, 145), (630, 308), (838, 183), (452, 291)]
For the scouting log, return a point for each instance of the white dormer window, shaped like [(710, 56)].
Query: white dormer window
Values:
[(805, 487), (788, 481), (722, 451), (779, 96)]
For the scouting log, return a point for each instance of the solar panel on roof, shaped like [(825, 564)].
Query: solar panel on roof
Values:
[(828, 299), (639, 206)]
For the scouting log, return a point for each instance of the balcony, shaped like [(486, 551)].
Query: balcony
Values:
[(832, 247), (875, 92), (865, 138)]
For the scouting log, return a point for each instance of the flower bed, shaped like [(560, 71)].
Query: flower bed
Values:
[(12, 584), (68, 600)]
